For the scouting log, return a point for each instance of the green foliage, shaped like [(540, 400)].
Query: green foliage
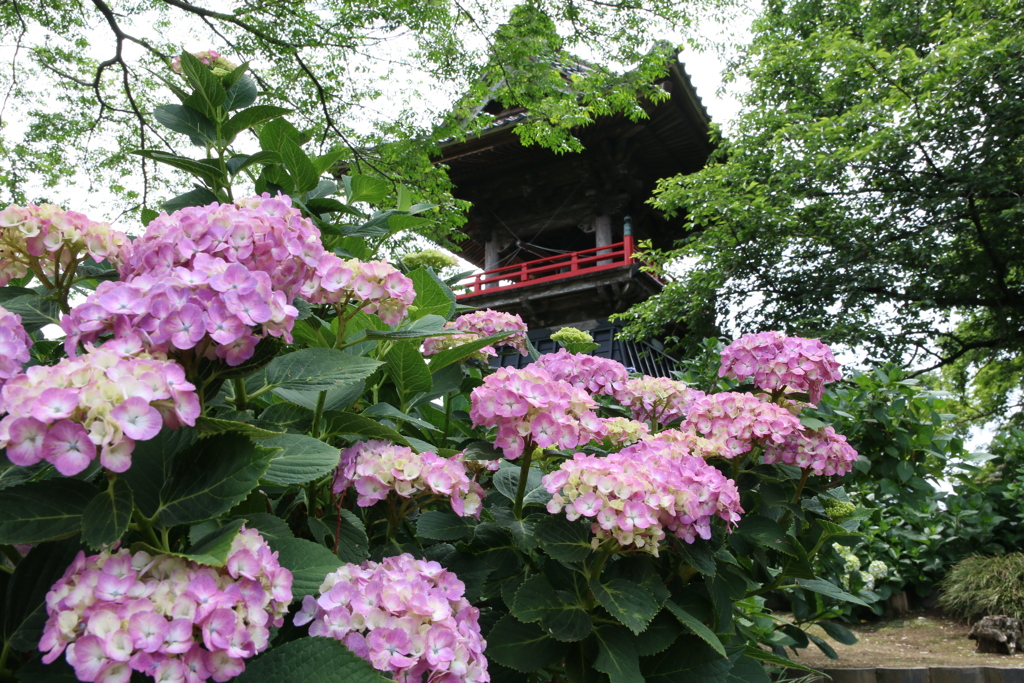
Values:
[(983, 586), (865, 195)]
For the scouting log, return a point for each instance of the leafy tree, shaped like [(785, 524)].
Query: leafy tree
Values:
[(871, 192), (372, 77)]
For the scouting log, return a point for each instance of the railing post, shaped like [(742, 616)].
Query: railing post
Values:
[(627, 239)]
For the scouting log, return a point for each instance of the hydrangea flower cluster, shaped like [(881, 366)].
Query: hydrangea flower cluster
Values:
[(776, 362), (623, 431), (47, 239), (593, 374), (215, 307), (14, 345), (378, 468), (877, 569), (638, 494), (165, 616), (732, 422), (432, 345), (106, 400), (529, 404), (373, 286), (485, 323), (657, 399), (822, 450), (435, 258), (405, 616)]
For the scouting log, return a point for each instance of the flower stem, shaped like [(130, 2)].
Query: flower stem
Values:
[(241, 400), (524, 472), (318, 414)]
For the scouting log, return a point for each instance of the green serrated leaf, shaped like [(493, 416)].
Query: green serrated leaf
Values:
[(197, 197), (151, 466), (829, 589), (389, 411), (241, 93), (766, 532), (689, 661), (363, 188), (537, 600), (506, 480), (187, 121), (616, 655), (247, 118), (407, 369), (523, 647), (106, 518), (24, 612), (628, 602), (838, 632), (661, 633), (208, 92), (443, 526), (308, 562), (300, 459), (696, 627), (462, 352), (357, 425), (211, 477), (43, 511), (755, 652), (213, 548), (310, 660), (299, 166), (208, 426), (318, 369), (564, 540)]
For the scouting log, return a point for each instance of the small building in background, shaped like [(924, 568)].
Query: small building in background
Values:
[(554, 233)]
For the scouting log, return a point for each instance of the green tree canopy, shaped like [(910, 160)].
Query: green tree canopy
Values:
[(871, 192), (376, 77)]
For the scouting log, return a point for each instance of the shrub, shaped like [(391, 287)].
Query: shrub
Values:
[(985, 586)]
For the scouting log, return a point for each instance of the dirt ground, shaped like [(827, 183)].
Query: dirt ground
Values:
[(917, 639)]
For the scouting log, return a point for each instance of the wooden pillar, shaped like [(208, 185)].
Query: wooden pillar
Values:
[(491, 256)]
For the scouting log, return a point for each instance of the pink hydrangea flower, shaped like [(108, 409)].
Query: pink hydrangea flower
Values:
[(776, 362), (822, 451), (14, 345), (68, 413), (527, 405), (52, 240), (593, 374), (377, 468), (407, 617), (731, 423), (638, 494), (657, 400), (371, 286), (479, 324), (165, 616)]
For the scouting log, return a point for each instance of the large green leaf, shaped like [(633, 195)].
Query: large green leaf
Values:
[(766, 532), (462, 352), (353, 545), (407, 369), (241, 94), (523, 647), (506, 480), (204, 172), (151, 466), (389, 411), (186, 120), (432, 295), (537, 600), (357, 425), (299, 166), (43, 511), (300, 459), (838, 632), (755, 652), (318, 369), (208, 92), (211, 477), (690, 660), (310, 660), (661, 633), (564, 540), (270, 526), (247, 118), (364, 188), (207, 426), (443, 526), (616, 655), (287, 416), (24, 605), (107, 516), (308, 562), (830, 589), (336, 399), (628, 602), (35, 310), (197, 197), (696, 626)]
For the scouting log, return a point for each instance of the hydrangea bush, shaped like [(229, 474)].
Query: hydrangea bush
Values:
[(269, 455)]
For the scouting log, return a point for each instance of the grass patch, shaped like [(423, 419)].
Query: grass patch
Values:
[(985, 586)]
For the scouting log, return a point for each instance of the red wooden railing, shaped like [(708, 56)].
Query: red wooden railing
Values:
[(560, 267)]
